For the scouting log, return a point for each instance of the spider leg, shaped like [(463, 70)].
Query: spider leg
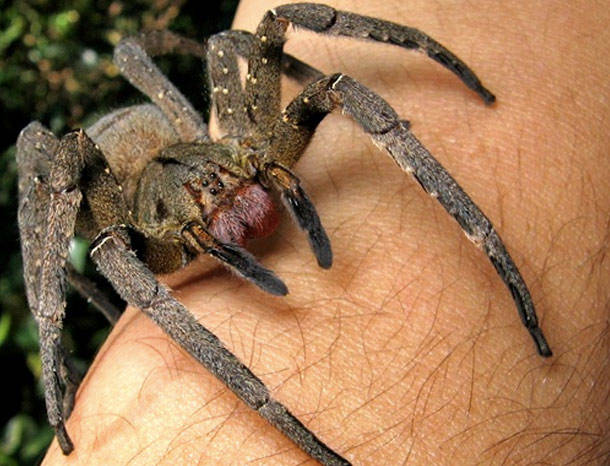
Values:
[(133, 57), (35, 148), (51, 175), (301, 72), (45, 237), (55, 189), (326, 20), (227, 92), (381, 122), (264, 68), (138, 286)]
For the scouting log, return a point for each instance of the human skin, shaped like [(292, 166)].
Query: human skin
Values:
[(409, 349)]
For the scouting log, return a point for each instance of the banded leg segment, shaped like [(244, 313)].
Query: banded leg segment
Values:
[(381, 122), (326, 20), (36, 147), (137, 285), (52, 174), (413, 157), (133, 56)]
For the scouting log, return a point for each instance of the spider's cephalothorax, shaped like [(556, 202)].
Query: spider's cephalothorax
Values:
[(195, 187), (150, 189)]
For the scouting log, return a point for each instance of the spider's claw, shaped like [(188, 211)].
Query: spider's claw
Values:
[(238, 259), (303, 211)]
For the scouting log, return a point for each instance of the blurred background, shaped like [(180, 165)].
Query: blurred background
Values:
[(56, 67)]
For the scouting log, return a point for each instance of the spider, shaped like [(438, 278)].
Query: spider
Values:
[(151, 190)]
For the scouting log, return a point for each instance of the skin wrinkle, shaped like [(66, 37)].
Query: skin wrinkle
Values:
[(569, 340)]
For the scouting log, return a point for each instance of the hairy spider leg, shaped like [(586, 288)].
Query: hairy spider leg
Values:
[(383, 125), (293, 68), (264, 70), (227, 93), (36, 148), (133, 58), (138, 286), (48, 175), (326, 20)]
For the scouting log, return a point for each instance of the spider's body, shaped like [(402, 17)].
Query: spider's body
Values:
[(151, 190), (233, 206), (199, 183)]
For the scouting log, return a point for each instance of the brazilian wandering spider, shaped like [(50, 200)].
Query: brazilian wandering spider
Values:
[(176, 194)]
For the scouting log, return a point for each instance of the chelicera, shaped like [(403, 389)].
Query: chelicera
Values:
[(151, 190)]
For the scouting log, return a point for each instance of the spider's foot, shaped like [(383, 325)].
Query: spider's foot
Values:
[(543, 347), (63, 438), (487, 96)]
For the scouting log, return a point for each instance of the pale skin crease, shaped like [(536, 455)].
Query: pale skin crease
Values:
[(409, 349)]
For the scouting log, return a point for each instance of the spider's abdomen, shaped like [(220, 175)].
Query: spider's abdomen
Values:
[(250, 215)]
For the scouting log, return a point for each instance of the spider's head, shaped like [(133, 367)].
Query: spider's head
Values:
[(200, 183)]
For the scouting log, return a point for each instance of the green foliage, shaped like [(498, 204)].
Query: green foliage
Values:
[(56, 67), (23, 440)]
